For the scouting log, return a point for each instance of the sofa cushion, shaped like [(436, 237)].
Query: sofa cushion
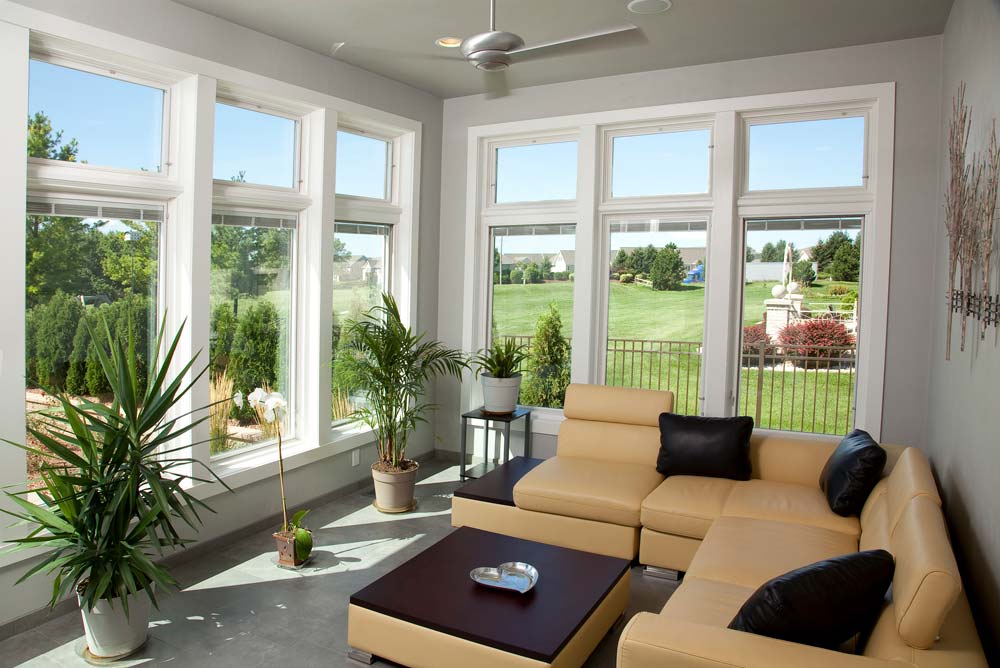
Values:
[(586, 488), (686, 505), (601, 403), (706, 601), (749, 552), (705, 446), (822, 604), (911, 477), (797, 504), (852, 472)]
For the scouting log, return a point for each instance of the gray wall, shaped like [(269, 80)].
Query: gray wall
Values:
[(183, 29), (915, 65), (963, 443)]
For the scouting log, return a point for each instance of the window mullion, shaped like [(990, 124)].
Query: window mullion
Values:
[(586, 286), (722, 273)]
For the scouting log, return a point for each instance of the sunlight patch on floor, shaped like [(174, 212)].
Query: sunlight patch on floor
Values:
[(428, 506), (326, 560), (449, 474)]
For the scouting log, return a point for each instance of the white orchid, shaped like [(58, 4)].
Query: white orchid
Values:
[(256, 398), (275, 407), (238, 399)]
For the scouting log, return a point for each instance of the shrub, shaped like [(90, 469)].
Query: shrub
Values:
[(560, 275), (76, 377), (253, 361), (532, 274), (132, 309), (224, 324), (641, 276), (812, 338), (29, 346), (837, 290), (572, 277), (627, 278), (846, 264), (55, 323), (802, 271), (516, 276), (668, 269), (849, 298), (753, 337), (548, 363), (615, 276)]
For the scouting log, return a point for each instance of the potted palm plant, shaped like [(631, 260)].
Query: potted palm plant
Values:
[(114, 493), (392, 364), (499, 368)]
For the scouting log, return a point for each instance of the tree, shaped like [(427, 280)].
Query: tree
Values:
[(802, 271), (751, 254), (548, 363), (642, 259), (253, 361), (43, 143), (776, 252), (55, 324), (546, 268), (532, 273), (846, 265), (621, 261), (668, 269), (516, 276), (128, 259), (825, 250), (340, 252), (61, 254)]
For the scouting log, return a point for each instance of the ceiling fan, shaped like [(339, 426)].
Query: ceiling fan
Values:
[(495, 50)]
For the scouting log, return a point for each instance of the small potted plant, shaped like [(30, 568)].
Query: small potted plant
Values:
[(392, 365), (294, 541), (499, 368), (114, 490)]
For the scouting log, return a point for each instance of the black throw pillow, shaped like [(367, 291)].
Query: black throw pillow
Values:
[(704, 446), (822, 604), (852, 472)]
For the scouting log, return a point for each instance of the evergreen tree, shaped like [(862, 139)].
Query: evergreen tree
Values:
[(802, 271), (751, 254), (548, 363), (846, 265), (668, 270)]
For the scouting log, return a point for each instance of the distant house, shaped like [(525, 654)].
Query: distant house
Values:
[(807, 253), (358, 268), (563, 261), (511, 260)]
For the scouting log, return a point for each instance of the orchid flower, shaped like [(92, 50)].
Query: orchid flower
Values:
[(238, 399), (256, 398), (275, 407)]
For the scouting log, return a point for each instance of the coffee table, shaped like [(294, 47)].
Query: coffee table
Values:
[(428, 612)]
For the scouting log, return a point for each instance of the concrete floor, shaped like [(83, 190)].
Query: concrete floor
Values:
[(235, 608)]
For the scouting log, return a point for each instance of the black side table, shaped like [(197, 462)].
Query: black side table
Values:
[(480, 414)]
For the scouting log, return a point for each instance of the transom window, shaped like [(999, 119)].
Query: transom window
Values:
[(254, 147), (87, 118), (661, 163), (363, 165), (536, 172), (822, 153)]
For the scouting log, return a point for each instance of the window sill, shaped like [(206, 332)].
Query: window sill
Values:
[(241, 469)]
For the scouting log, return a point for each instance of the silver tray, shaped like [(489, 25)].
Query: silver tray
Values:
[(513, 575)]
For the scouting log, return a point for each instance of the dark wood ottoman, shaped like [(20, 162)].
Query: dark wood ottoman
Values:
[(428, 612)]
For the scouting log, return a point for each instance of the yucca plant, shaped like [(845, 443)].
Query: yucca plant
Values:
[(502, 360), (114, 492), (393, 364)]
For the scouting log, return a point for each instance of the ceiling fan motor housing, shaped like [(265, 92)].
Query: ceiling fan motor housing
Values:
[(490, 50)]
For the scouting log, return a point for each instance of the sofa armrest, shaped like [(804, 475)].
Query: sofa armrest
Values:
[(653, 640)]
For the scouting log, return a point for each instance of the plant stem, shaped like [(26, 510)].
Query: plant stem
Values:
[(281, 483)]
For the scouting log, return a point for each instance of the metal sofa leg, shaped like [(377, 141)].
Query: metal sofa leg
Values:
[(661, 573)]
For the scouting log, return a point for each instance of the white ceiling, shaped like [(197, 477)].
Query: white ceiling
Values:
[(395, 38)]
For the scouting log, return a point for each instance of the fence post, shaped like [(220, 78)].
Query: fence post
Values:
[(760, 380)]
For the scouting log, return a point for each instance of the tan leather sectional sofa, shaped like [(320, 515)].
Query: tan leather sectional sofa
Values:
[(601, 493)]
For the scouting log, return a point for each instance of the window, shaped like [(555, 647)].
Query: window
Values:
[(254, 147), (361, 263), (537, 172), (798, 363), (532, 303), (87, 264), (251, 320), (656, 307), (661, 163), (362, 165), (77, 116), (827, 153)]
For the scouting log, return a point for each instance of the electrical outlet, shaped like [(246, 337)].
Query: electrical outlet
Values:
[(355, 457)]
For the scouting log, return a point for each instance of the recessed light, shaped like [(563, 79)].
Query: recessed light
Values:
[(649, 6), (448, 42)]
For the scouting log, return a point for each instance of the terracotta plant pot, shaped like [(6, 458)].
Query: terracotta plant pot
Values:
[(110, 633), (394, 491), (287, 555)]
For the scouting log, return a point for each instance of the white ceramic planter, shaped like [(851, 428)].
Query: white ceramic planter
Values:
[(109, 632), (394, 491), (500, 394)]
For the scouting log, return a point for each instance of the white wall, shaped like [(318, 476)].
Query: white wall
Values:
[(915, 66), (963, 443), (185, 30)]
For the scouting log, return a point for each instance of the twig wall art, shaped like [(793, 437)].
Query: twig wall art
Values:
[(970, 214)]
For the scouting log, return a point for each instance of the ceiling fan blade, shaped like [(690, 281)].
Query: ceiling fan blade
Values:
[(598, 39), (496, 84)]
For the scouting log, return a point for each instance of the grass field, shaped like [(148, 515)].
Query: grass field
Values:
[(634, 311)]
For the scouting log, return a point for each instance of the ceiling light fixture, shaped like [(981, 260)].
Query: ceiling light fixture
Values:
[(649, 6), (448, 42)]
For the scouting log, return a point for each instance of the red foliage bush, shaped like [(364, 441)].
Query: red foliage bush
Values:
[(818, 337), (753, 337)]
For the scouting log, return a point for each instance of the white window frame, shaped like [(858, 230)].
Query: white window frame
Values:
[(725, 206), (187, 186), (490, 174), (296, 116)]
